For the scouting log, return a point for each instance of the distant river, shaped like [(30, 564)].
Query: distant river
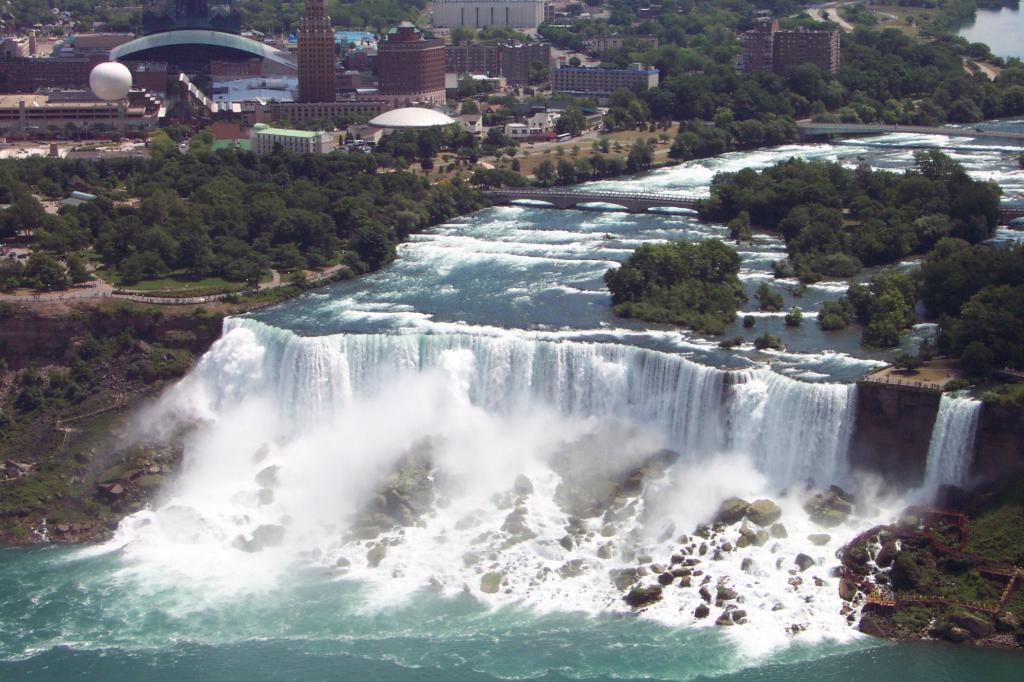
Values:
[(1002, 29)]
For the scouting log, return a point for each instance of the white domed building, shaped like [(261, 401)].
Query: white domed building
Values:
[(411, 117)]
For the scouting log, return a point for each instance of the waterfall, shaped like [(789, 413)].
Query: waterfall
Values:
[(951, 450), (792, 430)]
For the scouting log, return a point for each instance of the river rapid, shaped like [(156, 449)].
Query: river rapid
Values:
[(480, 387)]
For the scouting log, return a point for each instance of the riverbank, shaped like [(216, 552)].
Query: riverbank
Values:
[(73, 378), (950, 574)]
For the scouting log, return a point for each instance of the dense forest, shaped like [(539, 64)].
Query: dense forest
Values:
[(836, 220), (228, 214), (692, 284)]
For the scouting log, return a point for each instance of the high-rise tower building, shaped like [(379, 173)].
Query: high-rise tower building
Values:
[(411, 69), (316, 55)]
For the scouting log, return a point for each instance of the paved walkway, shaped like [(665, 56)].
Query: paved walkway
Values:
[(98, 289)]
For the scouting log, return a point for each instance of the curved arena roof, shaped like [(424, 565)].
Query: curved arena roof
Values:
[(214, 39), (411, 117)]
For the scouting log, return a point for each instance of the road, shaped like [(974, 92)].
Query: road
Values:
[(830, 12)]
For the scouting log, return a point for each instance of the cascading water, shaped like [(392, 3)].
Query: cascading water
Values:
[(793, 430), (951, 450)]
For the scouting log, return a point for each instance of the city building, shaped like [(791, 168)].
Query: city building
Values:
[(616, 42), (539, 127), (264, 139), (411, 117), (593, 81), (472, 123), (316, 55), (300, 112), (47, 113), (410, 69), (767, 48), (516, 59), (483, 13), (365, 134), (511, 60), (472, 58), (189, 34)]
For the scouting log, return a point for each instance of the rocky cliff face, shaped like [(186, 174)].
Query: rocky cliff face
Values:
[(999, 448), (892, 431), (29, 335)]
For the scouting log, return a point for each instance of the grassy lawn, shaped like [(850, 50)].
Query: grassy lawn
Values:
[(530, 156), (176, 283), (909, 20)]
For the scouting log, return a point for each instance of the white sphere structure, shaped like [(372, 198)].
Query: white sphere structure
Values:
[(110, 81)]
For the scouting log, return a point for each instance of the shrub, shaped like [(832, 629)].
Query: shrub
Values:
[(766, 340)]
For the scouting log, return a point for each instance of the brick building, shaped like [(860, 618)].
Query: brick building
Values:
[(410, 69), (511, 60), (769, 48), (316, 55)]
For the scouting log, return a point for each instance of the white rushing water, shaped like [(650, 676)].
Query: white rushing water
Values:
[(951, 450), (488, 351), (299, 434)]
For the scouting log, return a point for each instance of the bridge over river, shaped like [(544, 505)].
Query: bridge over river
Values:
[(639, 202), (811, 130)]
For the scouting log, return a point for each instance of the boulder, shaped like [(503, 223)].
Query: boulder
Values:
[(605, 551), (267, 477), (779, 531), (831, 508), (955, 634), (886, 554), (847, 589), (819, 539), (376, 555), (702, 611), (490, 582), (571, 569), (705, 593), (643, 596), (1006, 621), (623, 577), (724, 619), (726, 594), (761, 538), (978, 627), (763, 512), (522, 485), (871, 625), (803, 561), (747, 564), (666, 579), (731, 510), (567, 543)]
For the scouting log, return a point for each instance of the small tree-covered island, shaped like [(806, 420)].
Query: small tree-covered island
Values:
[(328, 351)]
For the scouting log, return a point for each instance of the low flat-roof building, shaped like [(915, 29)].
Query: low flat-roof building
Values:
[(264, 139), (46, 113), (587, 81)]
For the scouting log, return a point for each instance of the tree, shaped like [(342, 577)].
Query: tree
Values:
[(571, 121), (977, 359), (767, 340), (794, 317), (739, 228), (77, 269), (768, 299), (545, 172), (45, 273)]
